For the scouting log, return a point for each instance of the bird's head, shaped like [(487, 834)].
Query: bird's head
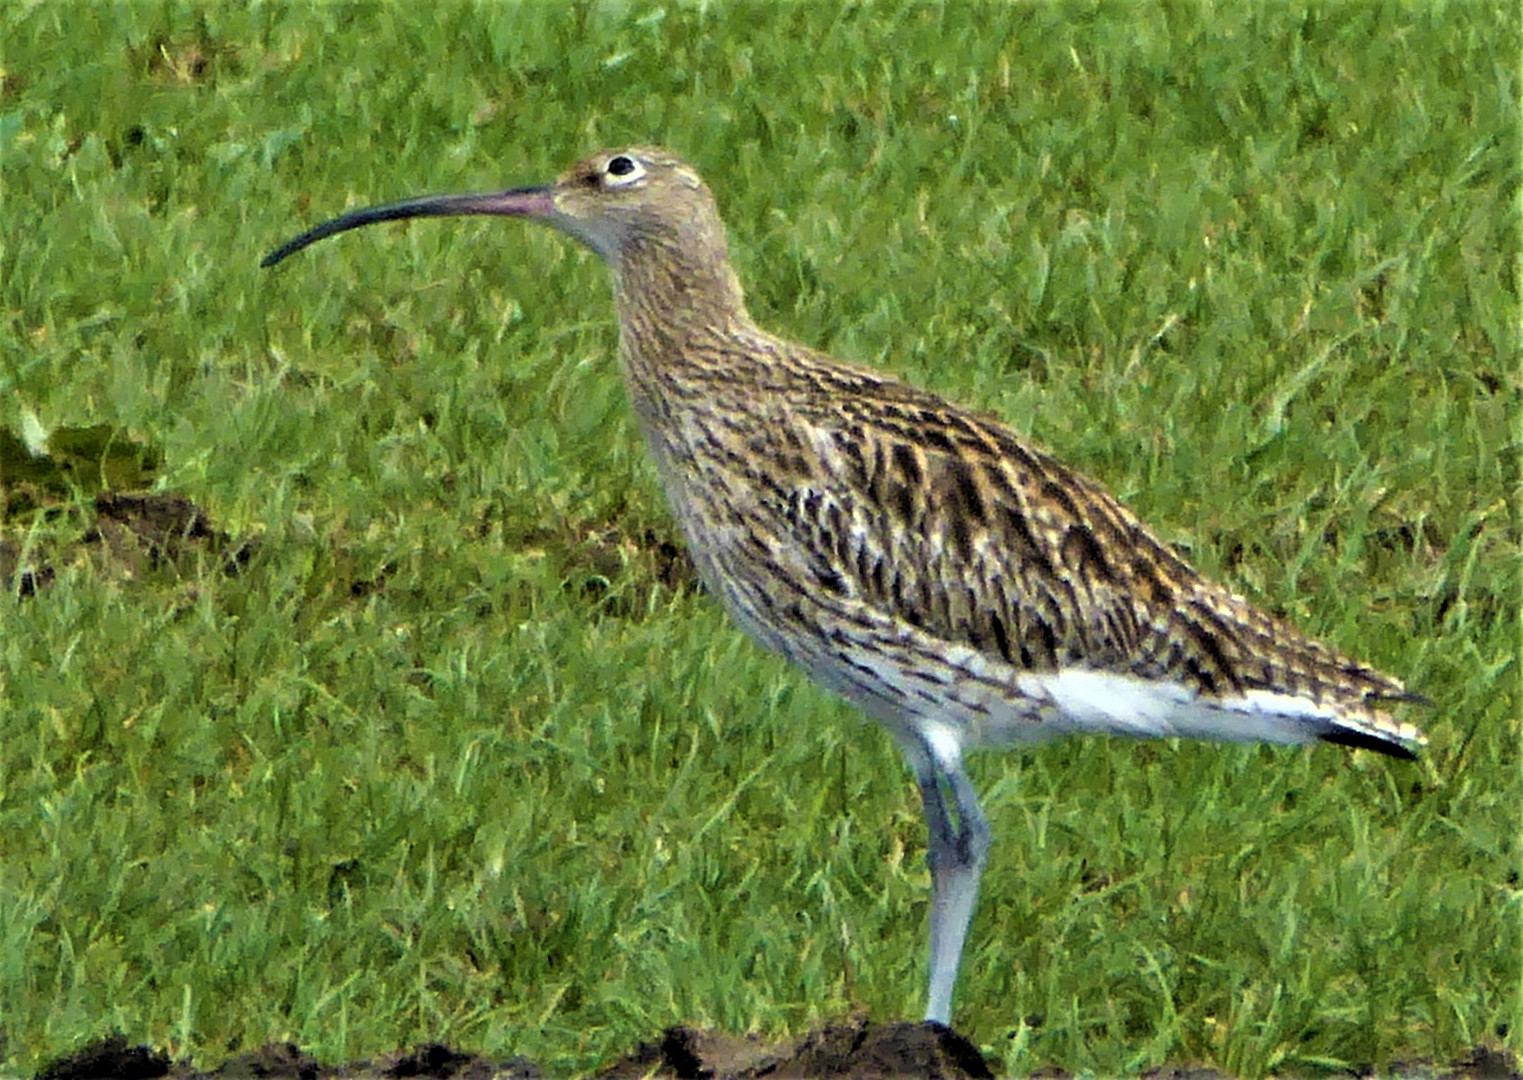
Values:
[(620, 203)]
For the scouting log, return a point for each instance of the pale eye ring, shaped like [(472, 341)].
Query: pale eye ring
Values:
[(622, 169)]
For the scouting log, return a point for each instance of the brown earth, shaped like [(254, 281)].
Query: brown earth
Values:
[(852, 1048), (132, 534)]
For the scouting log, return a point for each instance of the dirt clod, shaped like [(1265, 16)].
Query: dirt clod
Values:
[(277, 1061), (854, 1048), (164, 528), (109, 1059), (439, 1062)]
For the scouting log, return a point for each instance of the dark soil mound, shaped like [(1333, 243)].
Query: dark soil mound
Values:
[(856, 1048)]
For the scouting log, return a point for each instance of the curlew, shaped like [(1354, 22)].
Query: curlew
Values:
[(958, 584)]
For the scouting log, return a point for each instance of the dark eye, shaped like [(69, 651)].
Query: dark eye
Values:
[(622, 170)]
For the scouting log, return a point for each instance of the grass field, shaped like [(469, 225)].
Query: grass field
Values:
[(457, 756)]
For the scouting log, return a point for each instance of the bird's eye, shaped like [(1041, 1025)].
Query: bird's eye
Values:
[(622, 169)]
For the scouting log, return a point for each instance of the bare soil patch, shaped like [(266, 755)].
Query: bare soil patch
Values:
[(852, 1048)]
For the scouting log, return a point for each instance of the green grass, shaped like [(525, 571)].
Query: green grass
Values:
[(446, 763)]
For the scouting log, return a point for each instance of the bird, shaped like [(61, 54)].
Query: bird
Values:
[(956, 582)]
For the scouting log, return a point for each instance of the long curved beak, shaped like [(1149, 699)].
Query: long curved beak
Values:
[(528, 202)]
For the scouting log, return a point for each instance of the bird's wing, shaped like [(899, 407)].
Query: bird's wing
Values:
[(950, 523)]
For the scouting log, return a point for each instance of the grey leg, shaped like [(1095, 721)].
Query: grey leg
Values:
[(956, 857)]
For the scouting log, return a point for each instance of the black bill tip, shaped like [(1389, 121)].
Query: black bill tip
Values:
[(518, 202)]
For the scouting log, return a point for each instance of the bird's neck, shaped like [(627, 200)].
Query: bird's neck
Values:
[(677, 309)]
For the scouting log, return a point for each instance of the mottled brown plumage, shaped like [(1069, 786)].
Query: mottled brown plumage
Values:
[(959, 584)]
